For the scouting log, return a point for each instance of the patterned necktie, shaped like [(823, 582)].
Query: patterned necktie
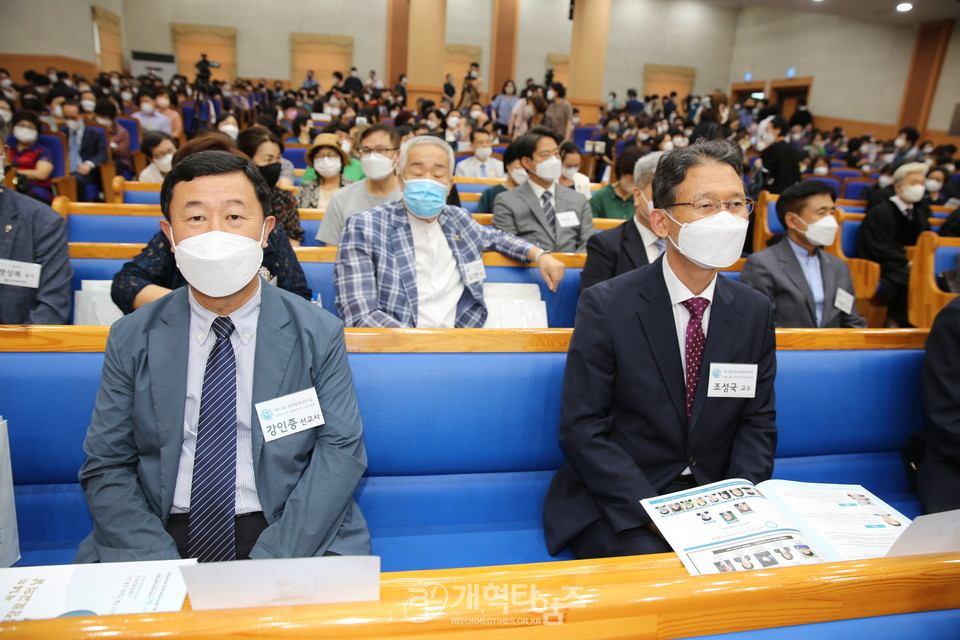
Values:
[(909, 213), (74, 150), (548, 211), (694, 346), (210, 535), (483, 170), (661, 245)]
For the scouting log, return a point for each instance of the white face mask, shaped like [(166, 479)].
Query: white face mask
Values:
[(823, 232), (569, 172), (912, 194), (820, 171), (549, 170), (74, 125), (667, 146), (483, 153), (376, 166), (712, 243), (899, 143), (147, 107), (885, 181), (431, 124), (519, 176), (949, 167), (6, 83), (6, 115), (551, 94), (452, 122), (933, 186), (327, 167), (105, 122), (231, 130), (57, 110), (88, 105), (165, 163), (475, 114), (218, 263), (25, 135), (345, 145)]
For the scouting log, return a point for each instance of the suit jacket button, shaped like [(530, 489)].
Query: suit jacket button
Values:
[(692, 461)]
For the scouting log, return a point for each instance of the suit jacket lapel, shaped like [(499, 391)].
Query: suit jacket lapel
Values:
[(791, 267), (656, 320), (829, 290), (632, 245), (405, 256), (526, 192), (275, 345), (8, 218), (721, 333), (167, 352)]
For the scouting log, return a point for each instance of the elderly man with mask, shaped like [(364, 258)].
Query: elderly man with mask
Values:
[(419, 262), (629, 245), (648, 402), (891, 225)]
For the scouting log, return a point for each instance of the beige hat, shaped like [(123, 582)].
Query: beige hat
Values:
[(327, 140)]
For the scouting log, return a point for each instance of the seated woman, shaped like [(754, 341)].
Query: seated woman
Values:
[(167, 105), (153, 272), (302, 131), (938, 187), (227, 124), (105, 113), (159, 148), (328, 160), (570, 175), (516, 176), (28, 158), (265, 149)]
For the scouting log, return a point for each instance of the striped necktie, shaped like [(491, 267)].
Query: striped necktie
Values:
[(210, 535), (548, 212)]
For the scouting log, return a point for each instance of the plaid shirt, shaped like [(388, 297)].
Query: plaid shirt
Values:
[(376, 273)]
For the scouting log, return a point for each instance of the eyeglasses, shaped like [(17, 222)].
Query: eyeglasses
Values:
[(710, 206), (367, 150)]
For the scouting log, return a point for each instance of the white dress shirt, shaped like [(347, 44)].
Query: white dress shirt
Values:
[(439, 285), (202, 341), (649, 241)]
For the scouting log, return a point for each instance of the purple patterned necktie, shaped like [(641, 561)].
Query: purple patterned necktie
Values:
[(694, 346)]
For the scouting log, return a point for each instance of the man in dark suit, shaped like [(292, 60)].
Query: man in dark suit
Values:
[(781, 163), (86, 151), (938, 474), (642, 414), (182, 460), (541, 211), (808, 287), (632, 244), (892, 225)]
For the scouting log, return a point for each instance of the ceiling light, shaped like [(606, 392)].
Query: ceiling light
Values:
[(903, 7)]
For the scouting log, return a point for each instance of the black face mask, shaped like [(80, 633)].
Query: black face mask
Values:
[(271, 173)]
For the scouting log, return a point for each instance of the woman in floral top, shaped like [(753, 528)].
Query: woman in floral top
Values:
[(265, 149), (328, 161)]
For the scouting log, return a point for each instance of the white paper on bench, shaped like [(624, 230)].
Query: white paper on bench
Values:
[(514, 305), (9, 538), (91, 589), (92, 304), (935, 533), (290, 581)]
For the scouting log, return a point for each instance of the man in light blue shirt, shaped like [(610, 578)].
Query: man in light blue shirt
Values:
[(809, 288)]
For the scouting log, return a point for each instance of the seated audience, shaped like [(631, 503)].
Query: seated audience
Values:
[(888, 227), (264, 149), (159, 148), (616, 199), (939, 187), (555, 219), (882, 189), (480, 164), (302, 131), (906, 146), (378, 147), (328, 161), (86, 151), (36, 235), (181, 482), (515, 176), (118, 137), (808, 287), (153, 273), (629, 245), (570, 175), (938, 473), (150, 119), (166, 104), (30, 160), (419, 262), (228, 125)]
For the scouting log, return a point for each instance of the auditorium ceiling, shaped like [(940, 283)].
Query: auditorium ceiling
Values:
[(885, 10)]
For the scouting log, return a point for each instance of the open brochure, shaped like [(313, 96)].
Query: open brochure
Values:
[(734, 525)]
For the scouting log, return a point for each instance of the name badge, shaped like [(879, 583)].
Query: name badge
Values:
[(289, 414), (474, 272), (732, 380), (20, 274), (568, 219), (843, 301)]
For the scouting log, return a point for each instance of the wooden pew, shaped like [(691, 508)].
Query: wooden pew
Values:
[(925, 298)]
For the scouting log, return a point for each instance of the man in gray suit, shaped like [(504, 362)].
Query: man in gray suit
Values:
[(809, 288), (193, 449), (540, 211)]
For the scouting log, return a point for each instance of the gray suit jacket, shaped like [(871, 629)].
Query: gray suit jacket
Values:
[(776, 272), (30, 231), (519, 212), (305, 481)]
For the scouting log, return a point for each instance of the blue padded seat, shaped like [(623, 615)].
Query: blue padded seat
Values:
[(849, 234), (296, 155), (141, 197), (310, 228), (854, 190), (773, 222), (107, 228)]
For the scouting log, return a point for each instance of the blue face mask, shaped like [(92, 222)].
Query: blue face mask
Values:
[(424, 198)]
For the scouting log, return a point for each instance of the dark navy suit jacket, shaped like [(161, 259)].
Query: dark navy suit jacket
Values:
[(623, 423)]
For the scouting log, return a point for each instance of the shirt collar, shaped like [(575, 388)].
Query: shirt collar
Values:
[(244, 319), (801, 252), (648, 237), (903, 206), (538, 190), (678, 291)]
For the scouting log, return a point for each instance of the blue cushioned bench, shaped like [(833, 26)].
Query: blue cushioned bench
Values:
[(460, 454)]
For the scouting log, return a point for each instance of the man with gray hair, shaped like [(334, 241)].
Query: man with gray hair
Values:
[(669, 376), (632, 244), (891, 225), (419, 262)]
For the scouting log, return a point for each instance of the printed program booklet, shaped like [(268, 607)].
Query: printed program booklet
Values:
[(734, 525)]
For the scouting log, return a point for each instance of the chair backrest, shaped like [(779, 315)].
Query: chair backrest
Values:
[(847, 173), (849, 236), (55, 144), (853, 188), (132, 125), (581, 135), (297, 154), (830, 180), (141, 193), (189, 117), (945, 259)]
